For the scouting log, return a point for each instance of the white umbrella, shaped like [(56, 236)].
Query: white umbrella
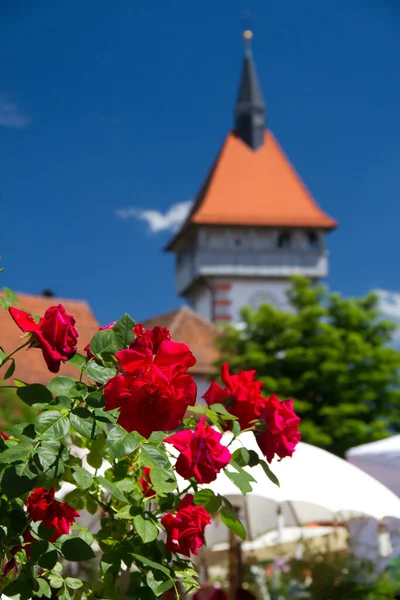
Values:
[(380, 460), (315, 487), (291, 541)]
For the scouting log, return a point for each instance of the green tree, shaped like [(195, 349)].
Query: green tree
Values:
[(333, 355)]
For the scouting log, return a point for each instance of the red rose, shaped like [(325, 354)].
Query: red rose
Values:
[(4, 435), (154, 391), (86, 349), (185, 529), (202, 455), (55, 334), (61, 519), (40, 503), (42, 506), (150, 337), (241, 396), (146, 483), (282, 428)]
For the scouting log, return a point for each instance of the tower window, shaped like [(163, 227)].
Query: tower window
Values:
[(313, 241), (284, 240)]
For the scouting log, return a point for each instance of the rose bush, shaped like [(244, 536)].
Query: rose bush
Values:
[(116, 436)]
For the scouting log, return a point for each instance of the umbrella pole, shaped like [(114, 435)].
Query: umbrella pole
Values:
[(235, 567)]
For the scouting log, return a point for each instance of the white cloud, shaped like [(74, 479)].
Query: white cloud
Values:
[(10, 114), (156, 220), (389, 304)]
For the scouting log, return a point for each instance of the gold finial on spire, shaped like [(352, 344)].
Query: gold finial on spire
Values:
[(247, 35)]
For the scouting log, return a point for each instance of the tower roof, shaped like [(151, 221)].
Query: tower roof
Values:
[(250, 94), (251, 188), (250, 106)]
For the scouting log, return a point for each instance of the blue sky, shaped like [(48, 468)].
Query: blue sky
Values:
[(109, 106)]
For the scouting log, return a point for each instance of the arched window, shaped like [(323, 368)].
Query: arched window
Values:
[(284, 240), (313, 241)]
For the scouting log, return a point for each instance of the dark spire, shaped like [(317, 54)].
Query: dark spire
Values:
[(250, 106)]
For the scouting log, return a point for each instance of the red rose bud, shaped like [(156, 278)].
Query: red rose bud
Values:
[(146, 483), (55, 334), (4, 435), (281, 428), (154, 390), (185, 529), (241, 396), (86, 349), (202, 455)]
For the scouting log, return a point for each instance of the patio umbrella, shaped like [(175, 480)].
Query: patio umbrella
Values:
[(315, 487)]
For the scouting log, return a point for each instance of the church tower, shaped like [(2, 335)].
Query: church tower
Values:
[(253, 224)]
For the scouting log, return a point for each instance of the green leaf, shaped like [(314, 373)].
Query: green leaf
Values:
[(146, 529), (123, 331), (73, 584), (64, 595), (126, 485), (34, 393), (208, 499), (4, 303), (156, 586), (48, 559), (11, 297), (43, 588), (254, 459), (16, 452), (98, 373), (95, 400), (75, 549), (52, 424), (103, 343), (95, 456), (21, 588), (120, 443), (75, 498), (150, 563), (125, 513), (47, 455), (240, 480), (269, 473), (10, 370), (2, 355), (77, 361), (82, 426), (230, 519), (111, 488), (241, 456), (221, 410), (38, 548), (60, 386), (235, 427), (82, 477), (56, 581), (162, 475), (14, 485)]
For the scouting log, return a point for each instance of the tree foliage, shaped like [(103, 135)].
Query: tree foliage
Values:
[(333, 355)]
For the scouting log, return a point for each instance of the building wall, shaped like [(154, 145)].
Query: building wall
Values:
[(255, 291), (201, 301)]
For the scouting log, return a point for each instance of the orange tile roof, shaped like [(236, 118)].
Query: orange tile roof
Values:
[(30, 365), (194, 330), (258, 188)]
